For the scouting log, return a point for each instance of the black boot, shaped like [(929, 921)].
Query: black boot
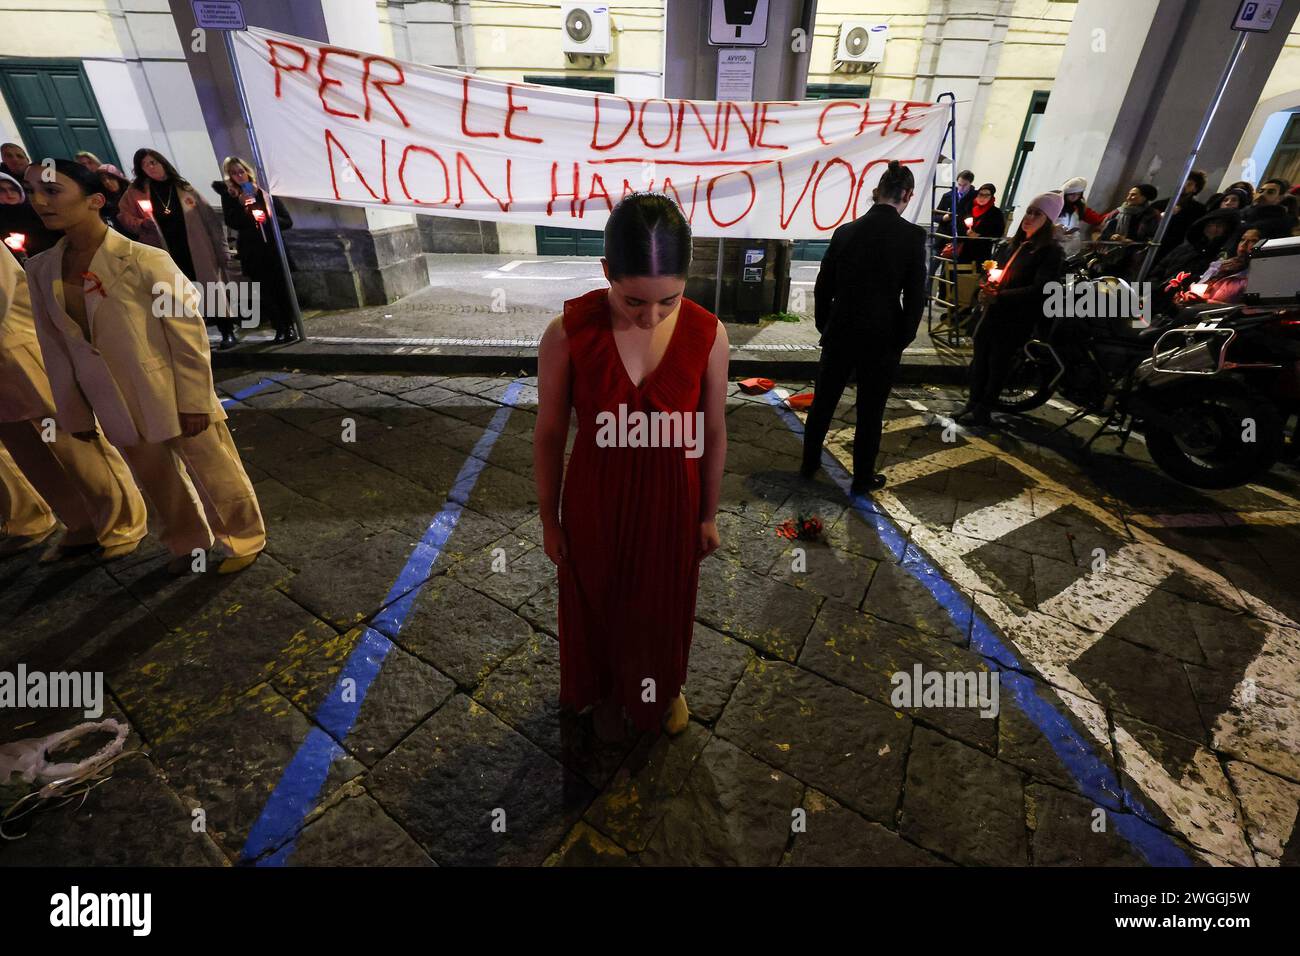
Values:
[(228, 340)]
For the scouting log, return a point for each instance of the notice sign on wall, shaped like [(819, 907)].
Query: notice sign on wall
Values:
[(735, 75), (219, 14), (339, 125)]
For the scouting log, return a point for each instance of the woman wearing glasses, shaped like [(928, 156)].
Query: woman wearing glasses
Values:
[(1013, 304)]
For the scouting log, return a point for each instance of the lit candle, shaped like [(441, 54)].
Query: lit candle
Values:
[(1198, 288), (995, 275), (16, 241), (146, 207), (970, 221), (259, 215)]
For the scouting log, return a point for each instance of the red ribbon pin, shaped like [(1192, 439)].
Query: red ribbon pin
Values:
[(95, 284)]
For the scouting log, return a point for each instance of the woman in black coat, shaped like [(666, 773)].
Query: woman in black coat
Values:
[(1013, 304), (987, 226), (242, 200)]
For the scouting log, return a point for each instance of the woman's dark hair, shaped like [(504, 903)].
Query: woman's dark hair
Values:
[(647, 235), (895, 182), (88, 182), (142, 180)]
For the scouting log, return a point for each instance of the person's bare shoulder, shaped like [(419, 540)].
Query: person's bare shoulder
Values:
[(555, 334), (720, 338)]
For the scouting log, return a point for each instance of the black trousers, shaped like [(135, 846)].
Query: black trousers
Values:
[(265, 269), (876, 367), (997, 340)]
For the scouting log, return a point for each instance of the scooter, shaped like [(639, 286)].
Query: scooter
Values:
[(1213, 388)]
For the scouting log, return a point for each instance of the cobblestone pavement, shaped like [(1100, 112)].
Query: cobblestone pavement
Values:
[(380, 687)]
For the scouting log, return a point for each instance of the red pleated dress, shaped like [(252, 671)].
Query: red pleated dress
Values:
[(631, 519)]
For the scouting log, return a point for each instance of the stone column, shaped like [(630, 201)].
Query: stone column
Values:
[(780, 73), (436, 34), (345, 256), (961, 45), (1134, 82)]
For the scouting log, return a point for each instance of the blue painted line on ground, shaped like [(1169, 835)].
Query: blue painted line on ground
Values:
[(1094, 777), (251, 390), (299, 787)]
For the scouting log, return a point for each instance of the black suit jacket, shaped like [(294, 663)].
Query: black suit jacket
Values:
[(871, 287), (964, 205)]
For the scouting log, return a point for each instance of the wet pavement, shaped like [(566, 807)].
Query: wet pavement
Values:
[(380, 687), (485, 314)]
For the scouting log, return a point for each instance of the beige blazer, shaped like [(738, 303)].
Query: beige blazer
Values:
[(204, 231), (148, 357), (24, 389)]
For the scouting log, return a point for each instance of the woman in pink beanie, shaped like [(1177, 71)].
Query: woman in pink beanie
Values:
[(1013, 304)]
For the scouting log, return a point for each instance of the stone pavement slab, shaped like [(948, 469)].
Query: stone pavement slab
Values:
[(1171, 671)]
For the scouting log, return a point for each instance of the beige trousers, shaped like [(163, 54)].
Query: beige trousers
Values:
[(23, 513), (86, 483), (197, 487)]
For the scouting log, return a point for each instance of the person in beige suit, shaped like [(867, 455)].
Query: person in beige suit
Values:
[(86, 483), (125, 343)]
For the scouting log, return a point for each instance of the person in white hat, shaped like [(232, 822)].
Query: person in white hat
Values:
[(1013, 304), (1076, 221)]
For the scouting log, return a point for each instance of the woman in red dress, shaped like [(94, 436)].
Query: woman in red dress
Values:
[(646, 370)]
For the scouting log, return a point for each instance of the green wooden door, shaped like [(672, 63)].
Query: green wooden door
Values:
[(55, 109), (555, 240)]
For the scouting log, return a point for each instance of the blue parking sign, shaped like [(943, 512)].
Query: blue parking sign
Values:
[(1256, 16)]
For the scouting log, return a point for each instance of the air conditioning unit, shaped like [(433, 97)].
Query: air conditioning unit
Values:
[(860, 45), (586, 29)]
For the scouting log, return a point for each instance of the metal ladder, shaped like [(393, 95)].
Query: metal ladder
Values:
[(942, 270)]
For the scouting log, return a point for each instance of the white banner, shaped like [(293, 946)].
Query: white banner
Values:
[(339, 125)]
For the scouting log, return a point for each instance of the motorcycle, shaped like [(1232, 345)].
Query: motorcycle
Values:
[(1212, 388)]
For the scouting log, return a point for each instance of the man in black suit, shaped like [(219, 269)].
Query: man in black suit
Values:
[(872, 263), (965, 200)]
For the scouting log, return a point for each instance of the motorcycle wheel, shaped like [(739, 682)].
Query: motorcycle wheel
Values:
[(1028, 385), (1206, 449)]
